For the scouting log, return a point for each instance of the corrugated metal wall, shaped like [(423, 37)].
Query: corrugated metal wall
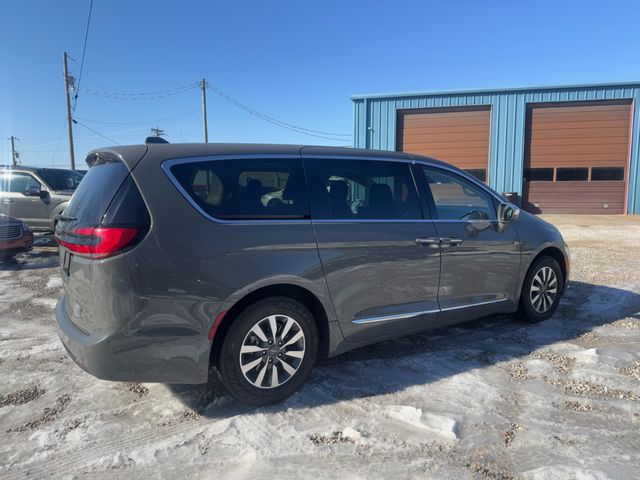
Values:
[(375, 125)]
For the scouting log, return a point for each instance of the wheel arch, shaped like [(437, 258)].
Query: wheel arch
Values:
[(295, 292), (558, 255)]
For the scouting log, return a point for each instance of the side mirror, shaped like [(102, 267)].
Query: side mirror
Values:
[(507, 212), (33, 191)]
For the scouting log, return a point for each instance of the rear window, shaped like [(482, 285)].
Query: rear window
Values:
[(253, 189), (95, 192), (61, 179)]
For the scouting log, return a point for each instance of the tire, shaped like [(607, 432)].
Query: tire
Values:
[(540, 278), (293, 360)]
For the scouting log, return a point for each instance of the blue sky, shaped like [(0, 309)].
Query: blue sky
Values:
[(297, 61)]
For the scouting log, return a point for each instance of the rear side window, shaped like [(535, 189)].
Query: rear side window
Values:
[(95, 192), (364, 189), (456, 198), (251, 189)]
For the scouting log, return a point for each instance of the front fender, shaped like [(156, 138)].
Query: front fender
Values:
[(536, 235)]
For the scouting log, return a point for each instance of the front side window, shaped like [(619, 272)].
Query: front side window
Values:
[(456, 198), (365, 189), (253, 189), (17, 182)]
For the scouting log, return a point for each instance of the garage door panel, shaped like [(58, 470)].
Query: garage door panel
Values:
[(578, 136), (434, 138), (560, 125), (592, 116), (543, 142), (581, 149), (459, 137), (581, 160), (574, 197), (444, 121), (451, 129), (578, 133)]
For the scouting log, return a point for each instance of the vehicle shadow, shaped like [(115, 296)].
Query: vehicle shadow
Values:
[(395, 365)]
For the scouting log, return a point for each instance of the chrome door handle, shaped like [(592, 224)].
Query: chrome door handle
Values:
[(7, 200), (427, 241), (450, 241)]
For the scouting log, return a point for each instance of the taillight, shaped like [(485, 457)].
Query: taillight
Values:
[(97, 242)]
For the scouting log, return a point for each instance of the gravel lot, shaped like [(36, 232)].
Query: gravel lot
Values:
[(491, 399)]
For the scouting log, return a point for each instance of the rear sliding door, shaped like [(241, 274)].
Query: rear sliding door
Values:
[(379, 254)]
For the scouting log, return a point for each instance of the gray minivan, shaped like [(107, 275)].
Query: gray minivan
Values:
[(258, 259)]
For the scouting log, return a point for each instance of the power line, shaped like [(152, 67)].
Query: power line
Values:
[(140, 95), (280, 123), (140, 123), (84, 50), (96, 132)]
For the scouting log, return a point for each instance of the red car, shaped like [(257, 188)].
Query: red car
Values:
[(15, 237)]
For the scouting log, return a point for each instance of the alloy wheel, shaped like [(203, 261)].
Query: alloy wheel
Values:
[(544, 289), (272, 351)]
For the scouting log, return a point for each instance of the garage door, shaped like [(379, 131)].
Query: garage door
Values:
[(456, 136), (575, 158)]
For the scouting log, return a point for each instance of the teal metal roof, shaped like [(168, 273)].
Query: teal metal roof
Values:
[(489, 91)]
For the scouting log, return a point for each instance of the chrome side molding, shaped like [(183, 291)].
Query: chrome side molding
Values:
[(403, 316)]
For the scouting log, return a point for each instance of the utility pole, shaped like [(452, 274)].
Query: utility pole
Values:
[(14, 155), (157, 132), (204, 110), (68, 84)]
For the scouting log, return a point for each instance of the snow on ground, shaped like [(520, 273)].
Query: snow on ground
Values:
[(490, 399)]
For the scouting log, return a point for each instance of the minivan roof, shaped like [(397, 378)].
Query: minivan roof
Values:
[(159, 152)]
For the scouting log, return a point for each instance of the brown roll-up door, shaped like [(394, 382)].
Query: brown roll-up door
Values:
[(576, 158), (457, 136)]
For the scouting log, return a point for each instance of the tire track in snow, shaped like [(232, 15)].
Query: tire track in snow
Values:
[(75, 459)]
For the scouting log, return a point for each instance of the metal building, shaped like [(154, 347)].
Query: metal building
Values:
[(566, 149)]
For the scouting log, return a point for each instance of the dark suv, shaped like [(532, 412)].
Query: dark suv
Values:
[(258, 259), (36, 195)]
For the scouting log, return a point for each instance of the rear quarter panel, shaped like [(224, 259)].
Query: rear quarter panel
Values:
[(189, 268)]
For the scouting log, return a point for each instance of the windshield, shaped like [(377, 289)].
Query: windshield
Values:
[(61, 179)]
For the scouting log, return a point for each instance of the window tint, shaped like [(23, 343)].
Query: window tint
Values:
[(456, 198), (17, 182), (364, 189), (95, 192), (246, 189), (572, 174), (599, 174), (538, 174), (479, 173)]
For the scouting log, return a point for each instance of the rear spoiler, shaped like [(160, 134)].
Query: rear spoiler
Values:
[(130, 156)]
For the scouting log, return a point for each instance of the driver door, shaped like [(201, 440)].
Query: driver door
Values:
[(480, 257)]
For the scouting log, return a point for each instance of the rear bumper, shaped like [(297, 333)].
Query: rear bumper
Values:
[(123, 357)]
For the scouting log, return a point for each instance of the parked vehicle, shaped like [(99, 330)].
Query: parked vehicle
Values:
[(172, 261), (36, 195), (15, 237)]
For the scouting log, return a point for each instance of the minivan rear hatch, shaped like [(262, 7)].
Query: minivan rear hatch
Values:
[(105, 218)]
